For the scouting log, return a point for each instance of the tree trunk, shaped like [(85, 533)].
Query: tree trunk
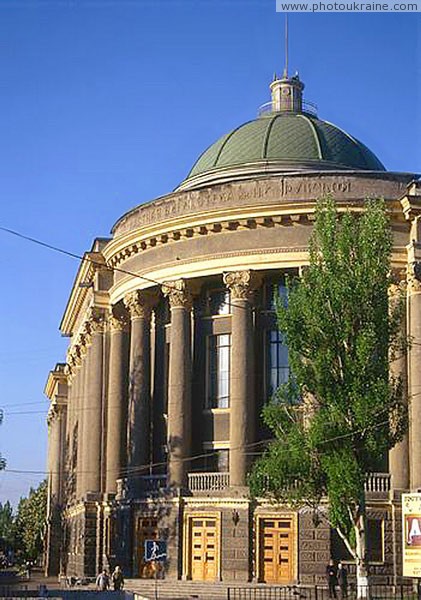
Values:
[(361, 552)]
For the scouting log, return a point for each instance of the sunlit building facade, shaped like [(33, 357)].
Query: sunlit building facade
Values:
[(174, 349)]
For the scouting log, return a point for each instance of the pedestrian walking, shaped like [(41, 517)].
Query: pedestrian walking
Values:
[(103, 581), (117, 579), (331, 576), (28, 569), (342, 576)]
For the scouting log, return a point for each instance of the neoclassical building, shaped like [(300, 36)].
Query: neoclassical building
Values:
[(173, 350)]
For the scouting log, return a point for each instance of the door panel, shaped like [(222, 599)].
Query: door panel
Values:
[(276, 550), (147, 529), (204, 550)]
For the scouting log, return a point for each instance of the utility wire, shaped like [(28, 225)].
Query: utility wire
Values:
[(96, 262), (133, 470)]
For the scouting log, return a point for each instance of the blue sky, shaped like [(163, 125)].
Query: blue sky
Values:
[(104, 105)]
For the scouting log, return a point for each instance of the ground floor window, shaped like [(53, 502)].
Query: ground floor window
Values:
[(218, 380), (277, 371), (375, 543)]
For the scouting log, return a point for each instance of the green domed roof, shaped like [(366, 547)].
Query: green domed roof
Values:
[(297, 139)]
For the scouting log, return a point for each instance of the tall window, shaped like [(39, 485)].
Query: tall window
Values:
[(277, 361), (219, 349), (274, 290), (219, 302)]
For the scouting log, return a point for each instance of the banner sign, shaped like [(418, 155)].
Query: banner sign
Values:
[(411, 535), (155, 550)]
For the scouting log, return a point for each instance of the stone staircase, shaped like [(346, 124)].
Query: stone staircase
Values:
[(177, 590)]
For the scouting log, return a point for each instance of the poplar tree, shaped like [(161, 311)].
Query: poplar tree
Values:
[(342, 409), (30, 522)]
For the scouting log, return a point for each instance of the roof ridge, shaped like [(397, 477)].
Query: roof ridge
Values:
[(267, 135), (229, 136), (356, 142), (315, 134)]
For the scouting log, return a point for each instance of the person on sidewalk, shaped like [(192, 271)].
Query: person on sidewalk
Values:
[(117, 579), (342, 576), (103, 581), (331, 576)]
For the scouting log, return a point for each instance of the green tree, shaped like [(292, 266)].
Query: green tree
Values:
[(6, 526), (30, 522), (341, 410)]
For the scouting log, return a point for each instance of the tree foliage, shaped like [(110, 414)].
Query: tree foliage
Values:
[(6, 526), (30, 522), (341, 411)]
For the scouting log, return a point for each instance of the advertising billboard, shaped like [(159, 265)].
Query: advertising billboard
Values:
[(411, 535)]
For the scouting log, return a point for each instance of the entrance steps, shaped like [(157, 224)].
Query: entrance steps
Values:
[(178, 590)]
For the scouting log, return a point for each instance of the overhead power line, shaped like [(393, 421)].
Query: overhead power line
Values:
[(76, 256), (128, 471)]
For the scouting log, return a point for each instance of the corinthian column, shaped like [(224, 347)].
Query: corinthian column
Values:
[(92, 406), (81, 402), (54, 451), (414, 375), (117, 401), (242, 402), (139, 305), (78, 416), (71, 441), (179, 381), (399, 454)]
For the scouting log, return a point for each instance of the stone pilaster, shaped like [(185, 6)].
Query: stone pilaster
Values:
[(399, 454), (414, 372), (179, 381), (242, 397), (117, 401), (92, 406), (139, 304)]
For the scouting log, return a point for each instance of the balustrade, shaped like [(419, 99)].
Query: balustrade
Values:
[(377, 482), (206, 482)]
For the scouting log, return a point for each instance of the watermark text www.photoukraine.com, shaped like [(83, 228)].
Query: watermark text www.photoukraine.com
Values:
[(347, 6)]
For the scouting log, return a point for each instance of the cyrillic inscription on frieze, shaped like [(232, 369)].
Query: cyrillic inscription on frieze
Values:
[(270, 191), (309, 187)]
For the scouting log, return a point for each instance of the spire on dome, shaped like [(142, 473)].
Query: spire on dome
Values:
[(285, 75), (287, 92)]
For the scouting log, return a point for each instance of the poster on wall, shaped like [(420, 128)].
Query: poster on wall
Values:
[(411, 535)]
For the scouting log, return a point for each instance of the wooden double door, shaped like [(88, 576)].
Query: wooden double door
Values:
[(204, 548), (276, 548), (147, 529)]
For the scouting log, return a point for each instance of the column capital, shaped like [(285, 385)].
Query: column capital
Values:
[(78, 355), (398, 281), (139, 304), (69, 370), (414, 277), (96, 321), (178, 293), (72, 359), (117, 322), (241, 283)]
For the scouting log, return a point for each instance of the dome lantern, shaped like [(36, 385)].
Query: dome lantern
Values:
[(287, 94)]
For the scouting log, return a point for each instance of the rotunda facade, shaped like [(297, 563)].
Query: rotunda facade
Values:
[(173, 351)]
